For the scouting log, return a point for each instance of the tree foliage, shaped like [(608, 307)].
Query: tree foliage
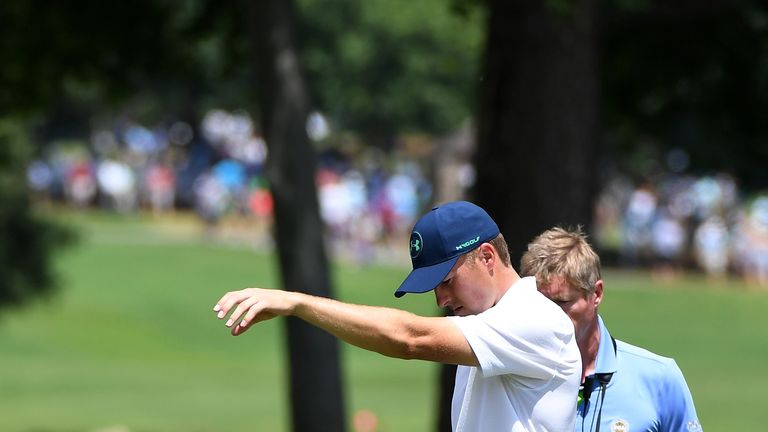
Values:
[(51, 52), (47, 46), (27, 241), (692, 76), (383, 67)]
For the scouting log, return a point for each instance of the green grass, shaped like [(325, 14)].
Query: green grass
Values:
[(714, 330), (130, 342)]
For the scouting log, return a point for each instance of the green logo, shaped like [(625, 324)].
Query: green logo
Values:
[(417, 244), (468, 243)]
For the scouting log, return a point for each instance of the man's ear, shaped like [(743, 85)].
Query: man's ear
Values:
[(598, 292), (488, 255)]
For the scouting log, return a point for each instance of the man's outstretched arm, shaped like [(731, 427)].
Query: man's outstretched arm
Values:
[(391, 332)]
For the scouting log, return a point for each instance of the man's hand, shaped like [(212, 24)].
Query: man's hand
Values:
[(254, 305)]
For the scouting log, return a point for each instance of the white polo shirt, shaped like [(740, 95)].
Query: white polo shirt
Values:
[(530, 366)]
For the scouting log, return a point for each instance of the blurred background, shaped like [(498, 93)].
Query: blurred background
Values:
[(156, 154)]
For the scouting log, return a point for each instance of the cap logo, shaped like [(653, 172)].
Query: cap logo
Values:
[(467, 243), (417, 244)]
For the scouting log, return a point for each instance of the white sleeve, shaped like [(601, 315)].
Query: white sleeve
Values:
[(528, 336)]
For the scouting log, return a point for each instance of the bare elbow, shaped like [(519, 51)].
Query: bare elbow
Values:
[(411, 340), (404, 346), (413, 347), (410, 350)]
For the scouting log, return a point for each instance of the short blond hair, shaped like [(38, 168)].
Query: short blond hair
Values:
[(565, 253)]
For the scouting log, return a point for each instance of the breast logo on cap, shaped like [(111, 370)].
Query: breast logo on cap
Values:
[(417, 244)]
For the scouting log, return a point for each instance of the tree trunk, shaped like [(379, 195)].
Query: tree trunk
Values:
[(316, 390), (536, 124), (445, 397), (538, 118)]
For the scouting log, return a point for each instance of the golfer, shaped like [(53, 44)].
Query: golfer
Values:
[(625, 388), (519, 364)]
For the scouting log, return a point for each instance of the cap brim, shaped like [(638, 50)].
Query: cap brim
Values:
[(425, 279)]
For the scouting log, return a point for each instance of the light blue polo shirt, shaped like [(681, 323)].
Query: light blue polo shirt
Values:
[(647, 392)]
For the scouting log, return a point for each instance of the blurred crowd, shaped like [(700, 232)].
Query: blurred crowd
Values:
[(128, 166), (366, 196), (683, 221), (370, 198)]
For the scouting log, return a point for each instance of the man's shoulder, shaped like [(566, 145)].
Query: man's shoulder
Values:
[(642, 359), (523, 299), (659, 377), (640, 354)]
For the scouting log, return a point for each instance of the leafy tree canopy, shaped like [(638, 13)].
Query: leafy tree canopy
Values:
[(690, 76), (687, 74), (26, 240), (381, 67)]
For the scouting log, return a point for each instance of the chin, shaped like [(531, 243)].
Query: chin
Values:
[(463, 312)]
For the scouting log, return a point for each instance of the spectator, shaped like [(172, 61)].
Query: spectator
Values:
[(752, 231), (711, 246), (668, 244), (117, 184), (211, 199), (160, 187), (637, 224), (624, 387), (79, 184)]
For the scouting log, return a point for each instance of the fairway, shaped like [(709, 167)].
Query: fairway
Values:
[(130, 343)]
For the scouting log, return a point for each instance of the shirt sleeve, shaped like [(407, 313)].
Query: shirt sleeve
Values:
[(524, 337), (676, 403)]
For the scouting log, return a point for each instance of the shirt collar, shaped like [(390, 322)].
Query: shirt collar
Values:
[(606, 356)]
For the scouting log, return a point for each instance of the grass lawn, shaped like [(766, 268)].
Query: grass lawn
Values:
[(130, 342)]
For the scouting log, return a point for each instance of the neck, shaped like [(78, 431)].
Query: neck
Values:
[(507, 277), (589, 343)]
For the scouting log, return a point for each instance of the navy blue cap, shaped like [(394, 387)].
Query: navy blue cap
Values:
[(439, 238)]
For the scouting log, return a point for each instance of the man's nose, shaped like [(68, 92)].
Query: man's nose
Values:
[(441, 297)]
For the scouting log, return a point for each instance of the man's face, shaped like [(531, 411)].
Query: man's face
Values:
[(578, 304), (467, 289)]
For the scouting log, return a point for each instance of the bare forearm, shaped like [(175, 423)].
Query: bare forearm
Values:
[(390, 332)]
